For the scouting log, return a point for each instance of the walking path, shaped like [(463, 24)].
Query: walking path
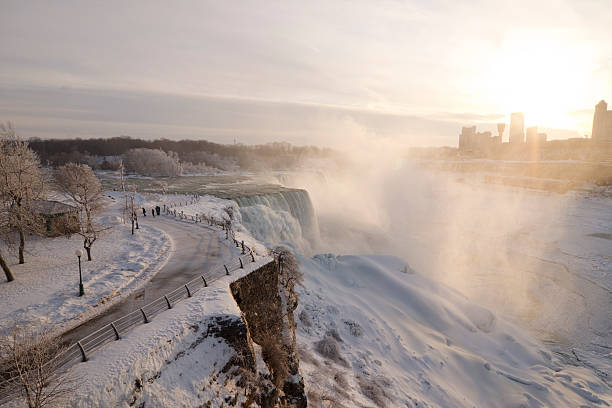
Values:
[(197, 249)]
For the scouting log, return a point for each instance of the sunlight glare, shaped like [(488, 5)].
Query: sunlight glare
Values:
[(541, 74)]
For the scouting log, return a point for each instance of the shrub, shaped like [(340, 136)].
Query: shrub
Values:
[(328, 348)]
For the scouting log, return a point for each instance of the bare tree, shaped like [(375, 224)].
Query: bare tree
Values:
[(29, 369), (81, 185), (289, 268), (21, 184), (4, 235), (7, 269), (130, 209)]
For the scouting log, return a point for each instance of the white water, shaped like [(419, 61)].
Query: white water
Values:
[(285, 217)]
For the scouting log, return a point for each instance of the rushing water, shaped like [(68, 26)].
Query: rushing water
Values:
[(284, 217)]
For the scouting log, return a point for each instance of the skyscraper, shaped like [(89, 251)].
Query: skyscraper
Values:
[(532, 135), (517, 128), (602, 123)]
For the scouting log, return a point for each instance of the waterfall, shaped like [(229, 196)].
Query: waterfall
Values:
[(284, 217)]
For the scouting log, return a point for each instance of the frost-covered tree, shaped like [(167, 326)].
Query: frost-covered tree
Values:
[(3, 264), (21, 184), (27, 363), (153, 162), (80, 184)]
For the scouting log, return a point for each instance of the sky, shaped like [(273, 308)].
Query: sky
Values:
[(328, 73)]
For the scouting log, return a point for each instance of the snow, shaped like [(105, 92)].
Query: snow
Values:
[(410, 341), (207, 206), (45, 290), (171, 357)]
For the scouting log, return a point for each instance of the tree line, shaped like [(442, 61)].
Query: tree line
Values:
[(276, 155)]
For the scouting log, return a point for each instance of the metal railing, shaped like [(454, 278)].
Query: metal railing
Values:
[(113, 331)]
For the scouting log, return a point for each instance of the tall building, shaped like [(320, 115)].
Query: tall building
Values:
[(532, 134), (470, 139), (517, 128), (466, 138), (535, 138), (602, 123), (500, 129)]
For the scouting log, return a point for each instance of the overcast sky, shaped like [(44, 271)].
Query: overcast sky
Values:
[(315, 72)]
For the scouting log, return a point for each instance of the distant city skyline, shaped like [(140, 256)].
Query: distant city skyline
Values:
[(325, 73)]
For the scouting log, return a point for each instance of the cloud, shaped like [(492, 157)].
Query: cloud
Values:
[(420, 63), (70, 112)]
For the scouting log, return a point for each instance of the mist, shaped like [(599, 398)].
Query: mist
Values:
[(512, 250)]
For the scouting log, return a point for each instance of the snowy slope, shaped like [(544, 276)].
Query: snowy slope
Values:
[(404, 340)]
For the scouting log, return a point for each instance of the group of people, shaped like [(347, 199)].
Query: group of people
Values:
[(154, 210)]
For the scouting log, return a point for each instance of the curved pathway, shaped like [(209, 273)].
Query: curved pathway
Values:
[(197, 249)]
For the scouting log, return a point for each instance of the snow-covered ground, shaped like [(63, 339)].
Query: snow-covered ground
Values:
[(206, 206), (45, 290), (170, 362), (372, 331)]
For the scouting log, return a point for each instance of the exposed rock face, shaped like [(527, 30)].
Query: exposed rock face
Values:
[(267, 303), (235, 332)]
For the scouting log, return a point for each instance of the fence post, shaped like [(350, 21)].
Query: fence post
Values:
[(226, 270), (252, 257), (82, 351), (241, 265), (188, 291), (205, 284), (243, 247), (116, 331), (144, 315), (168, 302)]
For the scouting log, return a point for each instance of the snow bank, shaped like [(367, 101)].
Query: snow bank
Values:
[(373, 331)]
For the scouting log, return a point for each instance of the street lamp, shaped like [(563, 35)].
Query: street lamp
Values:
[(79, 253)]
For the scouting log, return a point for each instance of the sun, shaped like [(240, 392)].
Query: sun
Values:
[(545, 75)]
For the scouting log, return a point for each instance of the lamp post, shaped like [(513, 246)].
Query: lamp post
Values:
[(79, 253)]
